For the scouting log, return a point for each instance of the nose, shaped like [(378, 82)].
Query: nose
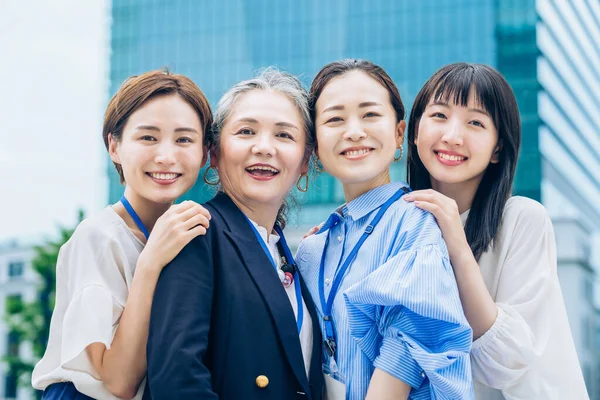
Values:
[(453, 134), (355, 132), (165, 154), (264, 145)]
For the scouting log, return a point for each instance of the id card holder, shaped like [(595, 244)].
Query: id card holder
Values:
[(335, 384)]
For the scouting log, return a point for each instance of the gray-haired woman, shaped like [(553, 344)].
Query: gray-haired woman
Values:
[(231, 318)]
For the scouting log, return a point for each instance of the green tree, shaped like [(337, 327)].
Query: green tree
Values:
[(30, 321)]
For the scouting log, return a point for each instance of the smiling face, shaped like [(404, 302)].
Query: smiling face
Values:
[(161, 150), (357, 132), (456, 144), (262, 149)]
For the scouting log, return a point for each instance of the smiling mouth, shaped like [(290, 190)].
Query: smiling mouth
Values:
[(163, 176), (262, 171), (356, 152), (449, 157)]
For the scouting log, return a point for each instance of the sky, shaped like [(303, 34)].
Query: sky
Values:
[(54, 73)]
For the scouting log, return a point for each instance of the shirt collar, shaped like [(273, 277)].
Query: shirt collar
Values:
[(372, 200), (274, 237), (363, 204)]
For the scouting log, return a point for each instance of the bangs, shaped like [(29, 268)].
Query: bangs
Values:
[(455, 87)]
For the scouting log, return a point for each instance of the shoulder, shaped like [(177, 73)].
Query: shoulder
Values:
[(525, 213), (98, 230)]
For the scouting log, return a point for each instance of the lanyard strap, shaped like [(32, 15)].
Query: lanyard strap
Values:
[(327, 305), (135, 217), (290, 259)]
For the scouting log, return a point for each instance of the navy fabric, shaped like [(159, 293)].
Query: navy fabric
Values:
[(63, 391)]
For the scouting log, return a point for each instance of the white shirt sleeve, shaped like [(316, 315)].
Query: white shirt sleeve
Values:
[(528, 352), (93, 265)]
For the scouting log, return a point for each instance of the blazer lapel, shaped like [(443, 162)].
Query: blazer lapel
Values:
[(267, 282)]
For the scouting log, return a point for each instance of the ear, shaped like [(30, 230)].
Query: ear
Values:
[(214, 159), (496, 155), (204, 155), (400, 128), (112, 149)]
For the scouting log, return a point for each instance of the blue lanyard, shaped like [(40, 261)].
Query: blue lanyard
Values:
[(290, 259), (329, 340), (135, 217)]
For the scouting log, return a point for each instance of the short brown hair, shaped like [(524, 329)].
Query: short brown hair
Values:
[(136, 90)]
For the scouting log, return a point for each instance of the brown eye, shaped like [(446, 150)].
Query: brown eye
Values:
[(245, 131)]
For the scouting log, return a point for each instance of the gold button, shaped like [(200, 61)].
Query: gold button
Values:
[(262, 381)]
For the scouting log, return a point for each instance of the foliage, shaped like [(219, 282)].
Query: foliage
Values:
[(29, 322)]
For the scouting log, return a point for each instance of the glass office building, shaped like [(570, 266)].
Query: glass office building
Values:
[(549, 50)]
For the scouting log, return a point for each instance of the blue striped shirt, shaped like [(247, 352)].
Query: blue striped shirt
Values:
[(398, 307)]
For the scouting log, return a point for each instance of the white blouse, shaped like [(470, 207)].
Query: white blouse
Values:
[(528, 353), (306, 331), (93, 274)]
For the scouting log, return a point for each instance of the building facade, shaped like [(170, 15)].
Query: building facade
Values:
[(549, 51)]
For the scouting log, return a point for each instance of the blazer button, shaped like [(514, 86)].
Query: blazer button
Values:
[(262, 381)]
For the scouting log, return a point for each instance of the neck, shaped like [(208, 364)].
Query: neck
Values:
[(355, 190), (264, 214), (463, 193), (147, 210)]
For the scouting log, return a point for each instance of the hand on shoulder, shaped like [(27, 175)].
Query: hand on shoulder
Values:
[(173, 231), (445, 211)]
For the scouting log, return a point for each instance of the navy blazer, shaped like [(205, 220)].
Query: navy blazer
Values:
[(221, 318)]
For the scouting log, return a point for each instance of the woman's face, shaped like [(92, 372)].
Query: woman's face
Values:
[(357, 132), (262, 149), (456, 144), (161, 149)]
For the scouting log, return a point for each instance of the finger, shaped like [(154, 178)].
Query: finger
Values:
[(431, 207), (195, 232), (197, 219), (183, 206), (188, 213), (421, 195), (201, 210), (312, 231)]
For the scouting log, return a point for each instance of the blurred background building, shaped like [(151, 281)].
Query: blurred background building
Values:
[(549, 51), (18, 283)]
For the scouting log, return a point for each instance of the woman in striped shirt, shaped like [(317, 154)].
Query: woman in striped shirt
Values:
[(378, 269), (463, 140)]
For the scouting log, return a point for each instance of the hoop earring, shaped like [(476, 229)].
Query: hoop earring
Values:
[(211, 183), (401, 154), (318, 166), (305, 188)]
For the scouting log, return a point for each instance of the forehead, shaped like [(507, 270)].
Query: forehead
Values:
[(267, 105), (170, 108), (353, 86)]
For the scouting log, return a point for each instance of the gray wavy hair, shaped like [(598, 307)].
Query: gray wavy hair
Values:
[(272, 79)]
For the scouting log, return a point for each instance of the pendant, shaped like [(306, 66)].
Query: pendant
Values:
[(288, 279)]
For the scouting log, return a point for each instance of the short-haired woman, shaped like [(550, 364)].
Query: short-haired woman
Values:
[(154, 130)]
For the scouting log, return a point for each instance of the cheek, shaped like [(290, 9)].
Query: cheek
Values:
[(325, 142)]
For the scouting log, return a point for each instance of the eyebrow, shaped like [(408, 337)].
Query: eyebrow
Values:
[(157, 129), (361, 105), (282, 123), (477, 110)]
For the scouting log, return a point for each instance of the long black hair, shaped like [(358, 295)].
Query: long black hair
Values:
[(453, 83)]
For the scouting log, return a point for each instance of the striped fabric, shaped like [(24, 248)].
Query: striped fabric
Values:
[(398, 307)]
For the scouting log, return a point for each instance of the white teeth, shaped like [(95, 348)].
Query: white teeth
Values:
[(451, 158), (263, 168), (163, 176), (357, 152)]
